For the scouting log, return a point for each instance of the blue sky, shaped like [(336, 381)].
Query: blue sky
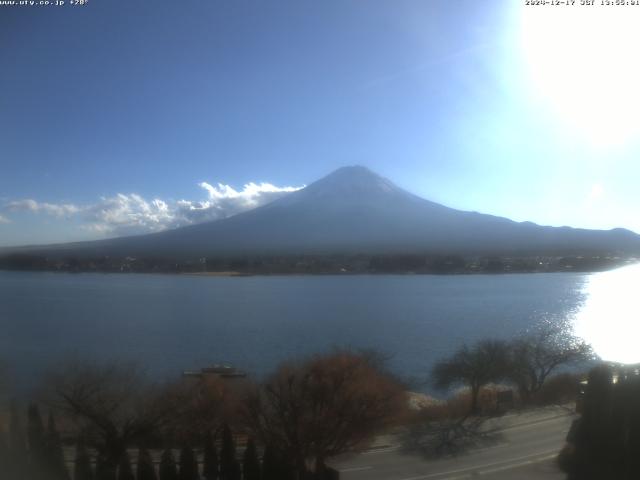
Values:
[(122, 117)]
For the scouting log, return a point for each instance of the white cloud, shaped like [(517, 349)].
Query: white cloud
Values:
[(128, 214), (249, 193), (57, 210), (4, 219)]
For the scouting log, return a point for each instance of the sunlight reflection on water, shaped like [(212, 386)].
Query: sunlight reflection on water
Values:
[(609, 318)]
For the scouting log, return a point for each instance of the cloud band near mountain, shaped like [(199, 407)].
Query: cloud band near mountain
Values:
[(130, 214)]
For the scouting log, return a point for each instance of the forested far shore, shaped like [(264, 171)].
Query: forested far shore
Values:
[(318, 264)]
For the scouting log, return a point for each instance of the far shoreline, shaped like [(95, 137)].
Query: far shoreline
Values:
[(212, 274), (324, 264), (236, 274)]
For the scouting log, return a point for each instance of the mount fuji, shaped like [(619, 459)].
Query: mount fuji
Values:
[(354, 210)]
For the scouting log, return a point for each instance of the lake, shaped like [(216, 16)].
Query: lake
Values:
[(170, 323)]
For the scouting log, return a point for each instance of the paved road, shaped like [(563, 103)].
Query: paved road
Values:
[(526, 451)]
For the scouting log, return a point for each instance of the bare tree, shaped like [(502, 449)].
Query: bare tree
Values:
[(442, 435), (200, 407), (112, 404), (322, 407), (535, 356), (474, 367)]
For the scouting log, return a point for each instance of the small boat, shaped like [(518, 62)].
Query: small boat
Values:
[(216, 370)]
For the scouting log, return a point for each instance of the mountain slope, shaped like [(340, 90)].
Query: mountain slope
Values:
[(354, 210)]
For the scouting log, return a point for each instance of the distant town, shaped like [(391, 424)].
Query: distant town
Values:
[(319, 264)]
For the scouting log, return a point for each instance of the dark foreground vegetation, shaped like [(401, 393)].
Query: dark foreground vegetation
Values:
[(604, 443), (497, 376), (108, 422), (121, 427), (319, 264), (525, 362)]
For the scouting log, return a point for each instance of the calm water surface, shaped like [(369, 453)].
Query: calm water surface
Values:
[(171, 322)]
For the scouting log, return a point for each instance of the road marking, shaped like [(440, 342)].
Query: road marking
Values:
[(528, 425), (491, 447), (553, 412), (355, 469), (522, 464), (476, 468), (523, 426), (479, 473)]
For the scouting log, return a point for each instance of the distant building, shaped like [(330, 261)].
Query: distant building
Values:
[(223, 371)]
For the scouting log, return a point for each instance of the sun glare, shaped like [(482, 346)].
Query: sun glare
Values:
[(610, 317), (584, 64)]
